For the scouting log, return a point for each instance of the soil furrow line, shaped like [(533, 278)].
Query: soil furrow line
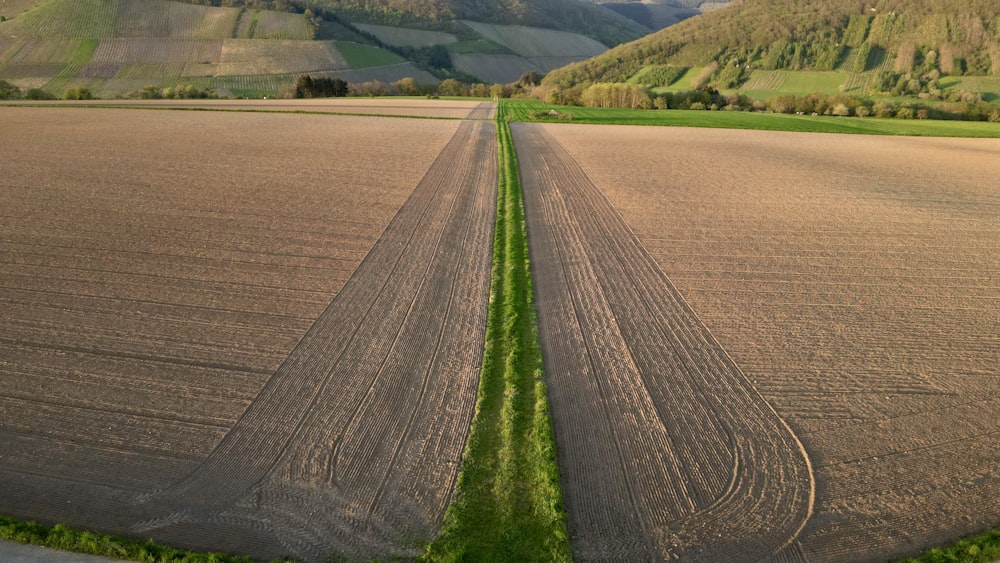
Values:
[(345, 398), (763, 496), (260, 436)]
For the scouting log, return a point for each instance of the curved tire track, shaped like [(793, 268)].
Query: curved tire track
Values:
[(365, 422), (664, 446)]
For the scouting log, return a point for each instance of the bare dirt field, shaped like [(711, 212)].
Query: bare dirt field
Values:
[(248, 332), (402, 107), (854, 282)]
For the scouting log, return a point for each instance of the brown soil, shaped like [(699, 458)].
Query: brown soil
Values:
[(665, 448), (241, 332), (453, 109), (856, 282)]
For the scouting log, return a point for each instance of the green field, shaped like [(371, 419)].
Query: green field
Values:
[(365, 56), (525, 110), (797, 83), (684, 82)]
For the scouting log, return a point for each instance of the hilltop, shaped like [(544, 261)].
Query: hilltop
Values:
[(892, 47)]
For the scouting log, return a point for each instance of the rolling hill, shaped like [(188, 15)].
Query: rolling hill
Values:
[(659, 14), (120, 47), (897, 47)]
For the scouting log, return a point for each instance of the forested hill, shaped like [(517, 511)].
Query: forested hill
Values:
[(573, 16), (961, 37)]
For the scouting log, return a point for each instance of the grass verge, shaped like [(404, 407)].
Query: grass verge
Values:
[(983, 548), (60, 537), (527, 110), (508, 504)]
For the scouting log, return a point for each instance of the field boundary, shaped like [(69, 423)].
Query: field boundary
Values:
[(508, 502)]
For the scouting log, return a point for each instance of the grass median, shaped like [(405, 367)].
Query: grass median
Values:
[(508, 504)]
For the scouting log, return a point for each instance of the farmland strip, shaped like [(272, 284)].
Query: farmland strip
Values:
[(711, 472), (336, 430)]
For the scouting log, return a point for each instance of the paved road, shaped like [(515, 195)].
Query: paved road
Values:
[(19, 553)]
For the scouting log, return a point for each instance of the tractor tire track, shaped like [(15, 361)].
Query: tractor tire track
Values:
[(363, 425), (664, 446)]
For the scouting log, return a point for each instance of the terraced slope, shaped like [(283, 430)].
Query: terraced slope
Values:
[(665, 447), (221, 361), (117, 48)]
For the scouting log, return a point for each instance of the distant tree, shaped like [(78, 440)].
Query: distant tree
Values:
[(78, 94), (407, 86), (369, 88), (8, 91), (451, 87), (497, 91), (784, 103), (38, 94), (479, 90), (308, 87), (529, 79)]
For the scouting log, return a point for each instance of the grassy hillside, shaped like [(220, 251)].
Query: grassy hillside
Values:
[(897, 47), (119, 48), (125, 47)]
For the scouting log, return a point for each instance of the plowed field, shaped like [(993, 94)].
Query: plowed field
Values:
[(248, 332), (692, 278)]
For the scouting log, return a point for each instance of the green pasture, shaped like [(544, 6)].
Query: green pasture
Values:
[(531, 110), (798, 83), (365, 56)]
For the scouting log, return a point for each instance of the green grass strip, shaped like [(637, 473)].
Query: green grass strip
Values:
[(508, 503), (983, 548), (61, 537), (531, 110)]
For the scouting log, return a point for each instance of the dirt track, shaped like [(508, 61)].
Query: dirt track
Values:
[(855, 280), (309, 432), (664, 447)]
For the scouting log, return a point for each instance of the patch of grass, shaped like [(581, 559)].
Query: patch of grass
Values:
[(364, 56), (60, 537), (84, 52), (523, 110), (979, 549), (508, 503), (658, 76), (683, 82)]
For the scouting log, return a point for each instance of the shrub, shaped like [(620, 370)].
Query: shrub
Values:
[(8, 91), (38, 94), (78, 94)]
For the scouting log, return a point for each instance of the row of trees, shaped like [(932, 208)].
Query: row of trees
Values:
[(9, 91), (179, 92), (309, 87), (967, 106), (972, 109)]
